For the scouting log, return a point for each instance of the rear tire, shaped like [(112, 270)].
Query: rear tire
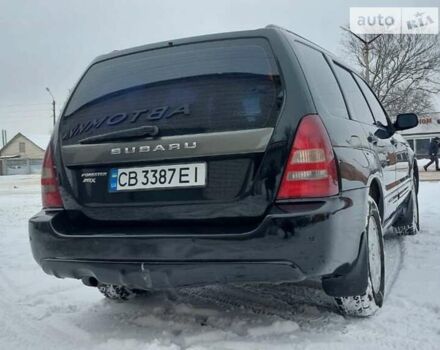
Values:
[(371, 300)]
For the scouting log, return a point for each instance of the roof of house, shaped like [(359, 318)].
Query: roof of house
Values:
[(39, 140)]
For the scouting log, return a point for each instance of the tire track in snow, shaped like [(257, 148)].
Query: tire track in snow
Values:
[(394, 247), (17, 324), (20, 326)]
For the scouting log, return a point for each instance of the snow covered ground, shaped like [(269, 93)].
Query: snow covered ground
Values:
[(42, 312)]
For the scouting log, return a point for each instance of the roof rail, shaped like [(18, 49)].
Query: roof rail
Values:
[(274, 26)]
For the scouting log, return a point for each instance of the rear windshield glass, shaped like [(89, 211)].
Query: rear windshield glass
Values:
[(194, 88)]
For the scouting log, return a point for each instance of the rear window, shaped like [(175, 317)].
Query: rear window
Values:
[(195, 88), (355, 99), (374, 104), (322, 82)]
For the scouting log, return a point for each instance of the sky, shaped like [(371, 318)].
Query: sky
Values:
[(49, 43)]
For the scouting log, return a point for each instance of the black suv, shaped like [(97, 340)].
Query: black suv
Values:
[(243, 157)]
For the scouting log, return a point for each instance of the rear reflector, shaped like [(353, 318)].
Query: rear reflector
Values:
[(311, 167), (50, 192)]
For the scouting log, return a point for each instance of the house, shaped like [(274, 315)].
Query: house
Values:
[(23, 155)]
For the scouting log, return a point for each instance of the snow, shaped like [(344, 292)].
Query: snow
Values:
[(41, 312)]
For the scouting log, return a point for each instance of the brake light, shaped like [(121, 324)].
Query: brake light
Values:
[(50, 191), (311, 167)]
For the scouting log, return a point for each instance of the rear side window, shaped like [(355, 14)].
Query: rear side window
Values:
[(322, 82), (194, 88), (375, 105), (356, 102)]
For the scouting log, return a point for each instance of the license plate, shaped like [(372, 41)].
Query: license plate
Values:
[(158, 177)]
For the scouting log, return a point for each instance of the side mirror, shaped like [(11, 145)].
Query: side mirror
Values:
[(406, 121)]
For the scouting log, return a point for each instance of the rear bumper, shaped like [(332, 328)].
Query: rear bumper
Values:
[(294, 243)]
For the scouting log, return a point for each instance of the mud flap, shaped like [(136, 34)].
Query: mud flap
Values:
[(406, 216), (352, 282)]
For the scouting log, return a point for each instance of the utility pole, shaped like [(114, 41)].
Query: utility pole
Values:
[(53, 105), (365, 51)]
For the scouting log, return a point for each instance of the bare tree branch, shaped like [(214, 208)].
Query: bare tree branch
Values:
[(404, 70)]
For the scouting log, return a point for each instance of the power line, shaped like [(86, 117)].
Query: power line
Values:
[(25, 112), (48, 114), (17, 117), (23, 105), (23, 109)]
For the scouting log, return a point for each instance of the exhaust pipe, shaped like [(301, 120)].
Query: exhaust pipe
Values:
[(90, 281)]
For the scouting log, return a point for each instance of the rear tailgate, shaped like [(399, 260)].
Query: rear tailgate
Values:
[(212, 106)]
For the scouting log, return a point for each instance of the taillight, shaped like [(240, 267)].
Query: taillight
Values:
[(49, 184), (311, 167)]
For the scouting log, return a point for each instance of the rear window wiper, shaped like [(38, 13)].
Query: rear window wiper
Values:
[(143, 131)]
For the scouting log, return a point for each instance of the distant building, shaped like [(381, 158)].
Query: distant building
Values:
[(420, 137), (23, 155)]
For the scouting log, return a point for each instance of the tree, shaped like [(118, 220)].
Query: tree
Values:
[(403, 70)]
